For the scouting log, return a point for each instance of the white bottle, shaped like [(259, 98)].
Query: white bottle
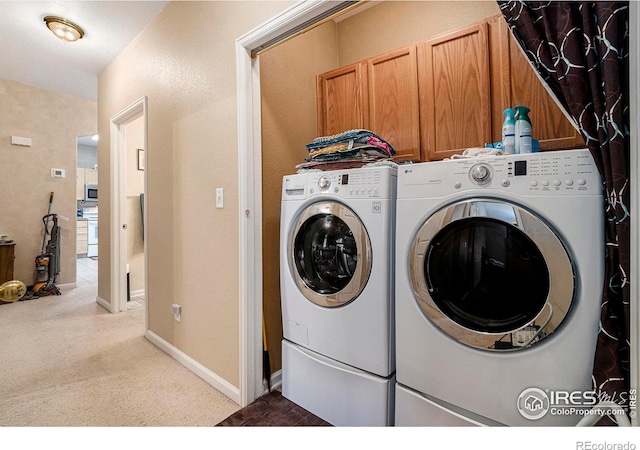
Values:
[(524, 139)]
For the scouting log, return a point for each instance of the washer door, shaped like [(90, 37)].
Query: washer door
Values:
[(491, 274), (329, 254)]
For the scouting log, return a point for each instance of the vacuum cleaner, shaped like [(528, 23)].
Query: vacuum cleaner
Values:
[(48, 261)]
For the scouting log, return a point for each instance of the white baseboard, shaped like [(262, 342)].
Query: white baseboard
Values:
[(276, 381), (102, 302), (194, 366), (137, 293)]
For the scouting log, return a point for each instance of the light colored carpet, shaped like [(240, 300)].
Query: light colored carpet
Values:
[(66, 361)]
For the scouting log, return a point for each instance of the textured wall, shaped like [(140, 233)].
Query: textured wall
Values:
[(394, 24), (53, 122), (286, 72), (184, 62)]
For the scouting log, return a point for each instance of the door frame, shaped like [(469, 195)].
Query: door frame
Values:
[(250, 187), (117, 226)]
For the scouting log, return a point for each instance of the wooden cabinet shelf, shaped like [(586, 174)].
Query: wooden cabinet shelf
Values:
[(440, 96)]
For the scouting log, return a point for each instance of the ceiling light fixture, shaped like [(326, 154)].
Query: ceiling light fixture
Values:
[(64, 29)]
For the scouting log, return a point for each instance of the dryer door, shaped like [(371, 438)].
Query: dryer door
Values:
[(491, 274), (329, 254)]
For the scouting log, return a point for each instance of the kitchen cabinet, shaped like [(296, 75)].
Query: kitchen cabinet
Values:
[(515, 82), (91, 176), (456, 100), (342, 100), (84, 176), (79, 183), (81, 237)]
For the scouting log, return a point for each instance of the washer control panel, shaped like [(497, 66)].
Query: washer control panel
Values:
[(554, 172), (378, 182)]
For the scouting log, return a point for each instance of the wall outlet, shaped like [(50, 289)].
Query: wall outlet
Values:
[(177, 311)]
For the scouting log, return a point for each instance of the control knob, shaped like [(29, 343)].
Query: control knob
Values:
[(480, 174), (324, 183)]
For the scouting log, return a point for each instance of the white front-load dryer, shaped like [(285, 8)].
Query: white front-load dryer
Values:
[(499, 275), (336, 281)]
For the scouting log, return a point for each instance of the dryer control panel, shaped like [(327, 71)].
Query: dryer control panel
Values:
[(568, 172)]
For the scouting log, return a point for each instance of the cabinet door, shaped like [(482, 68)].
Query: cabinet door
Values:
[(81, 237), (455, 95), (79, 183), (91, 176), (393, 101), (342, 100), (516, 83)]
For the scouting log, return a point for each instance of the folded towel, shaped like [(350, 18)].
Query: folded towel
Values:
[(478, 152), (349, 144)]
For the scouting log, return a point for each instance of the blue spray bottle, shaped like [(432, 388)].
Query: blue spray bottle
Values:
[(509, 131), (524, 143)]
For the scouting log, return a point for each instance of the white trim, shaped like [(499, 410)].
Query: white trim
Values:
[(194, 366), (117, 195), (276, 381), (137, 293), (250, 187), (102, 302), (634, 94)]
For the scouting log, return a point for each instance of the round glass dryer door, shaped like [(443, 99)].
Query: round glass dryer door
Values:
[(491, 274), (329, 254)]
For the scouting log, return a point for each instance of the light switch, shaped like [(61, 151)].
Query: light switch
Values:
[(219, 198)]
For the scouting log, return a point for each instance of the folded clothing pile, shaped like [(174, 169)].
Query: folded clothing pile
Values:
[(353, 148)]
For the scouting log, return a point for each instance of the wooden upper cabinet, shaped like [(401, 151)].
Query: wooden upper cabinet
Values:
[(393, 101), (342, 99), (436, 98), (514, 82), (455, 100)]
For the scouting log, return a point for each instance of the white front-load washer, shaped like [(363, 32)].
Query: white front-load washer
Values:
[(499, 275), (336, 281)]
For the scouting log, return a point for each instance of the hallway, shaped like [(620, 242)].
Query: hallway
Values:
[(87, 271)]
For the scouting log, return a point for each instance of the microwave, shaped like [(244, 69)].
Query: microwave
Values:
[(90, 192)]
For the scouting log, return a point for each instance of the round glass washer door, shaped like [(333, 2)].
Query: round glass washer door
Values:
[(491, 274), (329, 254)]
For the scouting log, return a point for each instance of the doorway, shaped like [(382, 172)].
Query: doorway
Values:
[(86, 210), (128, 162)]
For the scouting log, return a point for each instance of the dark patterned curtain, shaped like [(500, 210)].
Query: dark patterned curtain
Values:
[(581, 50)]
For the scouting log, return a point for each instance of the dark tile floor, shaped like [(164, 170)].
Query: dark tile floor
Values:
[(272, 410)]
